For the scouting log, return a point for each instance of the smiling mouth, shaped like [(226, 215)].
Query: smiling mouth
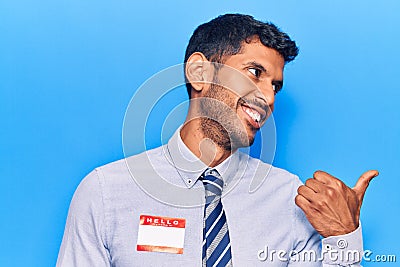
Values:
[(255, 114), (252, 113)]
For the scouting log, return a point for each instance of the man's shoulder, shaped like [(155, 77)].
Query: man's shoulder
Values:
[(119, 171), (123, 165), (266, 174), (273, 171)]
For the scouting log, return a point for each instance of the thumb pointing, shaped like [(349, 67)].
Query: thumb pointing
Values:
[(363, 182)]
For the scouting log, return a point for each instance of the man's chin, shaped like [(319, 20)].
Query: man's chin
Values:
[(244, 141), (251, 136), (250, 141)]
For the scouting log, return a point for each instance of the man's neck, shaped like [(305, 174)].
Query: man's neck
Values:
[(204, 148)]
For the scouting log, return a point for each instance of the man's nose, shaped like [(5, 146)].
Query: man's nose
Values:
[(268, 92)]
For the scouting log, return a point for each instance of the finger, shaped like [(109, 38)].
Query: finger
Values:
[(302, 202), (324, 177), (307, 193), (315, 185), (363, 183)]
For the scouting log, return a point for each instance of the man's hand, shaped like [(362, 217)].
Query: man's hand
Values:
[(331, 207)]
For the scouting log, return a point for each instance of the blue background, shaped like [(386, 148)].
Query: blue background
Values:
[(69, 68)]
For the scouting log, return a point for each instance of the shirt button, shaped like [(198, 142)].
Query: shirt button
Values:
[(189, 181)]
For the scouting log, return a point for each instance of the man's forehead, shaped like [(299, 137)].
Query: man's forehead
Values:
[(256, 55), (257, 52)]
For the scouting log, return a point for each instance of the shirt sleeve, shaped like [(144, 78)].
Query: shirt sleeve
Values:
[(83, 243), (343, 250), (311, 250)]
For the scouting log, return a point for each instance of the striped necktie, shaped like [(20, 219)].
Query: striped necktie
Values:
[(216, 242)]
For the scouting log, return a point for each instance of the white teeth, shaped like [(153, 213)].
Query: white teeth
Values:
[(253, 114)]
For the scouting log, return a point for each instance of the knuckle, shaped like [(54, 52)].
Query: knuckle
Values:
[(336, 183), (320, 203), (341, 185), (330, 192)]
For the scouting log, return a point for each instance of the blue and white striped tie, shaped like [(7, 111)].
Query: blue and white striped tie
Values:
[(216, 242)]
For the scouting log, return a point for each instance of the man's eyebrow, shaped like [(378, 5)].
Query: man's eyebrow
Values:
[(256, 65)]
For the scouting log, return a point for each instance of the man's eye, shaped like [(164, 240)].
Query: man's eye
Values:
[(255, 72)]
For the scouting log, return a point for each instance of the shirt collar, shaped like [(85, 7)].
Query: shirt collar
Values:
[(191, 167)]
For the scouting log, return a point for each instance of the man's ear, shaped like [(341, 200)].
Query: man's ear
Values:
[(197, 71)]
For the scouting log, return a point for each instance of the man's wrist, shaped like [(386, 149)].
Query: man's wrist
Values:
[(343, 249)]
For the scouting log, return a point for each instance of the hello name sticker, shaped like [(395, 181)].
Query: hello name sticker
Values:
[(161, 234)]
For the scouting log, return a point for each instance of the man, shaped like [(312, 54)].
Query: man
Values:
[(234, 68)]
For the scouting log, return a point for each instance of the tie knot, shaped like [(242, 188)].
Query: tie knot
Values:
[(213, 182)]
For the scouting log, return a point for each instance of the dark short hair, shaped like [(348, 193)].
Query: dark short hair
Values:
[(224, 35)]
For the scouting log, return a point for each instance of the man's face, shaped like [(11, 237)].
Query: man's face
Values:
[(242, 95)]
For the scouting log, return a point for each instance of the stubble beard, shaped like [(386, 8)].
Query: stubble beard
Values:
[(220, 122)]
